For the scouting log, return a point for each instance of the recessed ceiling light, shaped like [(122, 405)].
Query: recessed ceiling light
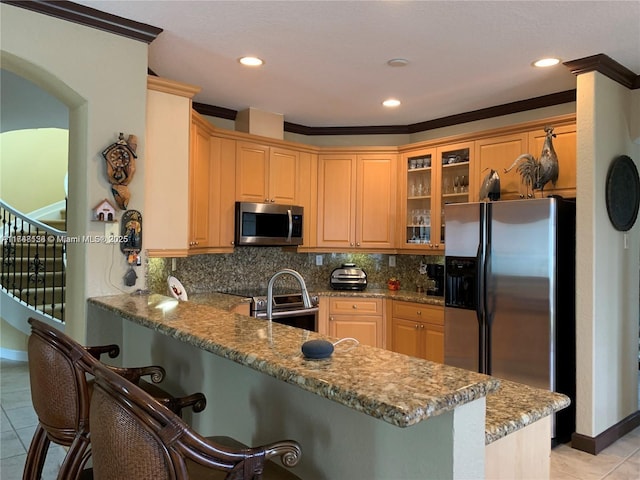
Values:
[(391, 102), (398, 62), (546, 62), (251, 61)]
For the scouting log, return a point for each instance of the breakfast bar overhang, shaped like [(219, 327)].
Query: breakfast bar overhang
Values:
[(362, 413)]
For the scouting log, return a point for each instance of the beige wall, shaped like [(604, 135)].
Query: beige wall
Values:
[(102, 78), (38, 159), (607, 272), (12, 338)]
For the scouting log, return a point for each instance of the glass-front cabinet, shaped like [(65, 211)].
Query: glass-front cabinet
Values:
[(432, 177), (419, 190), (454, 161)]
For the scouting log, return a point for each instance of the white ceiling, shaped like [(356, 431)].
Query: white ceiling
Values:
[(326, 60)]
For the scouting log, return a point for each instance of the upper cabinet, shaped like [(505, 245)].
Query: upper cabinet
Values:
[(564, 144), (431, 178), (211, 189), (265, 174), (357, 200), (418, 193), (499, 153), (166, 167), (453, 181), (200, 191), (307, 197)]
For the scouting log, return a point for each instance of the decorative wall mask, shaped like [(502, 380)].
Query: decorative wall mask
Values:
[(121, 165)]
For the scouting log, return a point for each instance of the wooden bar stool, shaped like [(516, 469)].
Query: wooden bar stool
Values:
[(61, 394), (133, 436)]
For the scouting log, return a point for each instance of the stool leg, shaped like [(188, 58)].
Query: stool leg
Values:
[(36, 455), (76, 458)]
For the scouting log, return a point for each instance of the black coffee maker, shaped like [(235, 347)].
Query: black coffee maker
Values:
[(435, 272)]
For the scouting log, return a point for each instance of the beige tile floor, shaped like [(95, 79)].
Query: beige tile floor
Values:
[(620, 461)]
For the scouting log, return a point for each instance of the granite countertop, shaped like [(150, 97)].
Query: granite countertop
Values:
[(398, 389), (392, 387), (404, 295), (514, 406)]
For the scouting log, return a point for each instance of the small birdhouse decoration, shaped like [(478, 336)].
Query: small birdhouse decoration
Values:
[(104, 211), (121, 165)]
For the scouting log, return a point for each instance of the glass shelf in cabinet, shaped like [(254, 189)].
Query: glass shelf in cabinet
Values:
[(454, 165), (460, 194)]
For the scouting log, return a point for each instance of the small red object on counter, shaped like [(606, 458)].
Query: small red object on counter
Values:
[(393, 284)]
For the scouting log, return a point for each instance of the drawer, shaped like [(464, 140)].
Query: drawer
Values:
[(355, 306), (418, 312)]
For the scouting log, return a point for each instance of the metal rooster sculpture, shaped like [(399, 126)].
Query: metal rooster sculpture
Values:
[(490, 187), (537, 173)]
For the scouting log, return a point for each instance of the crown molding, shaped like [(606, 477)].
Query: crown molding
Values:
[(90, 17), (607, 66), (497, 111)]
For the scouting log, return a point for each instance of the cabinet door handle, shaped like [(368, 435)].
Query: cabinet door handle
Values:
[(422, 327), (417, 326), (331, 319), (351, 244), (355, 306), (419, 312), (358, 244)]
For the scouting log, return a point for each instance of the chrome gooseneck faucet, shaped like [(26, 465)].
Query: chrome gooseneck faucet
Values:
[(306, 301)]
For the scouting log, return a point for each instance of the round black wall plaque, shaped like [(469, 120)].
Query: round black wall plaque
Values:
[(623, 193)]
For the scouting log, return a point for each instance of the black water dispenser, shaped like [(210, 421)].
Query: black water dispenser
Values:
[(461, 282)]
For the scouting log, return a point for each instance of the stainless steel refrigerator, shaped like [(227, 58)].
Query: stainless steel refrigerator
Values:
[(510, 294)]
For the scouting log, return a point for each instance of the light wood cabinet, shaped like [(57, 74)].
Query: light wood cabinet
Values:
[(498, 153), (222, 215), (200, 179), (454, 185), (211, 190), (565, 146), (265, 174), (359, 318), (417, 184), (166, 168), (307, 197), (431, 178), (357, 201), (418, 330)]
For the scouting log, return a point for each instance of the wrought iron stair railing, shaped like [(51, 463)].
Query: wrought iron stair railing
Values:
[(33, 262)]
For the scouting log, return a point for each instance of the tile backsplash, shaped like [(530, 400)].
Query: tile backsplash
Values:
[(251, 267)]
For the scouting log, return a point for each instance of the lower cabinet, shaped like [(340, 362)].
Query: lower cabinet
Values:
[(359, 318), (418, 330)]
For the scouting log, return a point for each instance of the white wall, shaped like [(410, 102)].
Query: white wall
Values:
[(102, 78), (606, 271)]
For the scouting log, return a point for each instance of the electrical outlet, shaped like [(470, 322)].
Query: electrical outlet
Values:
[(111, 230), (318, 260), (392, 260), (423, 268)]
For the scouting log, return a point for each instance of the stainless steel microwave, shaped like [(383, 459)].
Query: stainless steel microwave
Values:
[(268, 224)]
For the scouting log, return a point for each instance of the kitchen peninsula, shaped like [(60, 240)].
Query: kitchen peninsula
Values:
[(363, 413)]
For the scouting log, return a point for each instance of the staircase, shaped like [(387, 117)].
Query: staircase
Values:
[(33, 261)]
